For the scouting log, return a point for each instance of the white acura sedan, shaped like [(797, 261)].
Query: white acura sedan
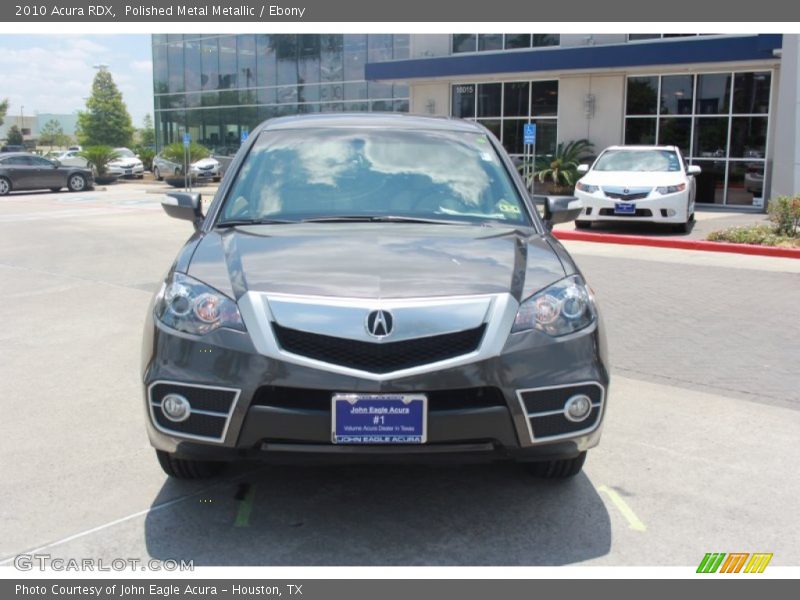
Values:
[(638, 183)]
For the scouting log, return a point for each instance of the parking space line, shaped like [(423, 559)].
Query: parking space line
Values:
[(633, 521), (245, 508)]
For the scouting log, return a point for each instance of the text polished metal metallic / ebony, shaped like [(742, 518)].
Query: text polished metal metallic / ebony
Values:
[(373, 287)]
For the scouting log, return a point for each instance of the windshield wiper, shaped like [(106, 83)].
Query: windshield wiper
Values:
[(381, 219), (238, 222)]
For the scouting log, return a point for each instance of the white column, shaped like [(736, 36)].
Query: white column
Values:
[(786, 122)]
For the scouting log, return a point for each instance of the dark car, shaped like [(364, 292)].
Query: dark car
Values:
[(20, 171), (373, 287)]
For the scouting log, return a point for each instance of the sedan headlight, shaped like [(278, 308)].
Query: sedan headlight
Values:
[(589, 189), (671, 189), (564, 307), (189, 305)]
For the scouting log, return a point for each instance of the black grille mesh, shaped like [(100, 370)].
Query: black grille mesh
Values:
[(378, 358), (204, 425), (199, 398), (558, 424)]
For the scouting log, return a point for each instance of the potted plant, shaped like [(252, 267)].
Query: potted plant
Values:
[(99, 157), (175, 154), (560, 170)]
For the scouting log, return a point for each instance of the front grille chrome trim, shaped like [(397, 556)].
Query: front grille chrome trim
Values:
[(499, 317), (152, 405)]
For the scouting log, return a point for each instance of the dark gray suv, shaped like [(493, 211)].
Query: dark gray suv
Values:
[(373, 287)]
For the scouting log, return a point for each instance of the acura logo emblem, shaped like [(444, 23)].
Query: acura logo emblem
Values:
[(379, 323), (626, 191)]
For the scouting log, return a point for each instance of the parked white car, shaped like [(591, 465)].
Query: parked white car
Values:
[(207, 168), (127, 164), (638, 183), (70, 158)]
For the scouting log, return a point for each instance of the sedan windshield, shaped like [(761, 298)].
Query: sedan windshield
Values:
[(638, 160), (370, 173)]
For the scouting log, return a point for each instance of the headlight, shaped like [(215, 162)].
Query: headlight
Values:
[(671, 189), (188, 305), (562, 308), (589, 189)]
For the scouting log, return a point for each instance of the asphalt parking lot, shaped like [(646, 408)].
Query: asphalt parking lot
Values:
[(699, 450)]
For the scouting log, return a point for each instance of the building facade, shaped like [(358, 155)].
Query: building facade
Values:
[(218, 87), (729, 102)]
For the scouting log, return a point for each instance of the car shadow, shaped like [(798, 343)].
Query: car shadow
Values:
[(380, 515), (640, 228)]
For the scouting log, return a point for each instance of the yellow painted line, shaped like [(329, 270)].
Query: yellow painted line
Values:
[(245, 508), (633, 521)]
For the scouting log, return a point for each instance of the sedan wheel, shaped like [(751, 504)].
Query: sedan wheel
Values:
[(5, 186), (76, 183), (156, 174)]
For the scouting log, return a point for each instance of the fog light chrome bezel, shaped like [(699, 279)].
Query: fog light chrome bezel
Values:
[(180, 400), (571, 401)]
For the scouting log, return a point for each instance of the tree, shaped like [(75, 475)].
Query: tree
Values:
[(147, 134), (106, 121), (52, 134), (3, 110), (14, 136)]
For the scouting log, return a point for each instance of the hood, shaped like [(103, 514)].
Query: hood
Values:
[(374, 260), (205, 162), (633, 178)]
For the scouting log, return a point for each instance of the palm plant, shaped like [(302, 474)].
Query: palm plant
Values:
[(99, 157), (561, 169)]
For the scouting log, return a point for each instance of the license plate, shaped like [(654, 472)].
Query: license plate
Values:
[(205, 174), (624, 208), (128, 171), (379, 419)]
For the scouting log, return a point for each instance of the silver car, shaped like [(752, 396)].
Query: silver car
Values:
[(373, 287)]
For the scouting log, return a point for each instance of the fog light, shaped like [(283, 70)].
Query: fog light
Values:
[(671, 212), (175, 407), (577, 408)]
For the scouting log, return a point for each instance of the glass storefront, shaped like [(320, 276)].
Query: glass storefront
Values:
[(718, 120), (218, 86), (505, 107), (486, 42)]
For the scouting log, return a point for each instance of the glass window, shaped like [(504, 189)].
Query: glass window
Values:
[(355, 91), (381, 106), (515, 99), (641, 98), (512, 135), (160, 70), (675, 131), (749, 137), (400, 105), (546, 136), (650, 161), (308, 52), (711, 137), (640, 131), (633, 37), (490, 41), (266, 67), (676, 94), (193, 66), (713, 93), (331, 172), (546, 39), (745, 182), (402, 45), (544, 98), (710, 182), (246, 53), (400, 90), (175, 66), (751, 93), (210, 61), (493, 125), (463, 100), (518, 40), (377, 89), (489, 99), (355, 56), (331, 64), (464, 42), (379, 47), (227, 62)]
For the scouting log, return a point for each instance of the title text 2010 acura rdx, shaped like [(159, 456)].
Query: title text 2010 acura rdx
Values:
[(373, 287)]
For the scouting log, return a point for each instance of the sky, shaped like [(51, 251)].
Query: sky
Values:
[(53, 73)]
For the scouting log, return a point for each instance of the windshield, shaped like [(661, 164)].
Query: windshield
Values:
[(638, 160), (124, 153), (317, 173)]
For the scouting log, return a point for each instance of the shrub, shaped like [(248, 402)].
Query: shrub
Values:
[(174, 152), (762, 235), (146, 155), (784, 213), (99, 157)]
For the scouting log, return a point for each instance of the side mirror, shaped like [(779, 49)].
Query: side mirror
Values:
[(583, 169), (186, 206), (560, 209), (693, 170)]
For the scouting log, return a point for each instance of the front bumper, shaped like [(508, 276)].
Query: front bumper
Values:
[(278, 410), (669, 208)]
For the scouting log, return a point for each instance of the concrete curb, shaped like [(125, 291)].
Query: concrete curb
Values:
[(703, 245)]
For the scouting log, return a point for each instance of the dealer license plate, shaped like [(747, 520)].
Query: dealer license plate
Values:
[(379, 419), (624, 208)]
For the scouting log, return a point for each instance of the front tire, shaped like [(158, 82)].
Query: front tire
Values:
[(76, 183), (5, 186), (184, 468), (563, 468), (157, 174)]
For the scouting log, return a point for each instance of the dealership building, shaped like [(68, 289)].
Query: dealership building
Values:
[(731, 103)]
